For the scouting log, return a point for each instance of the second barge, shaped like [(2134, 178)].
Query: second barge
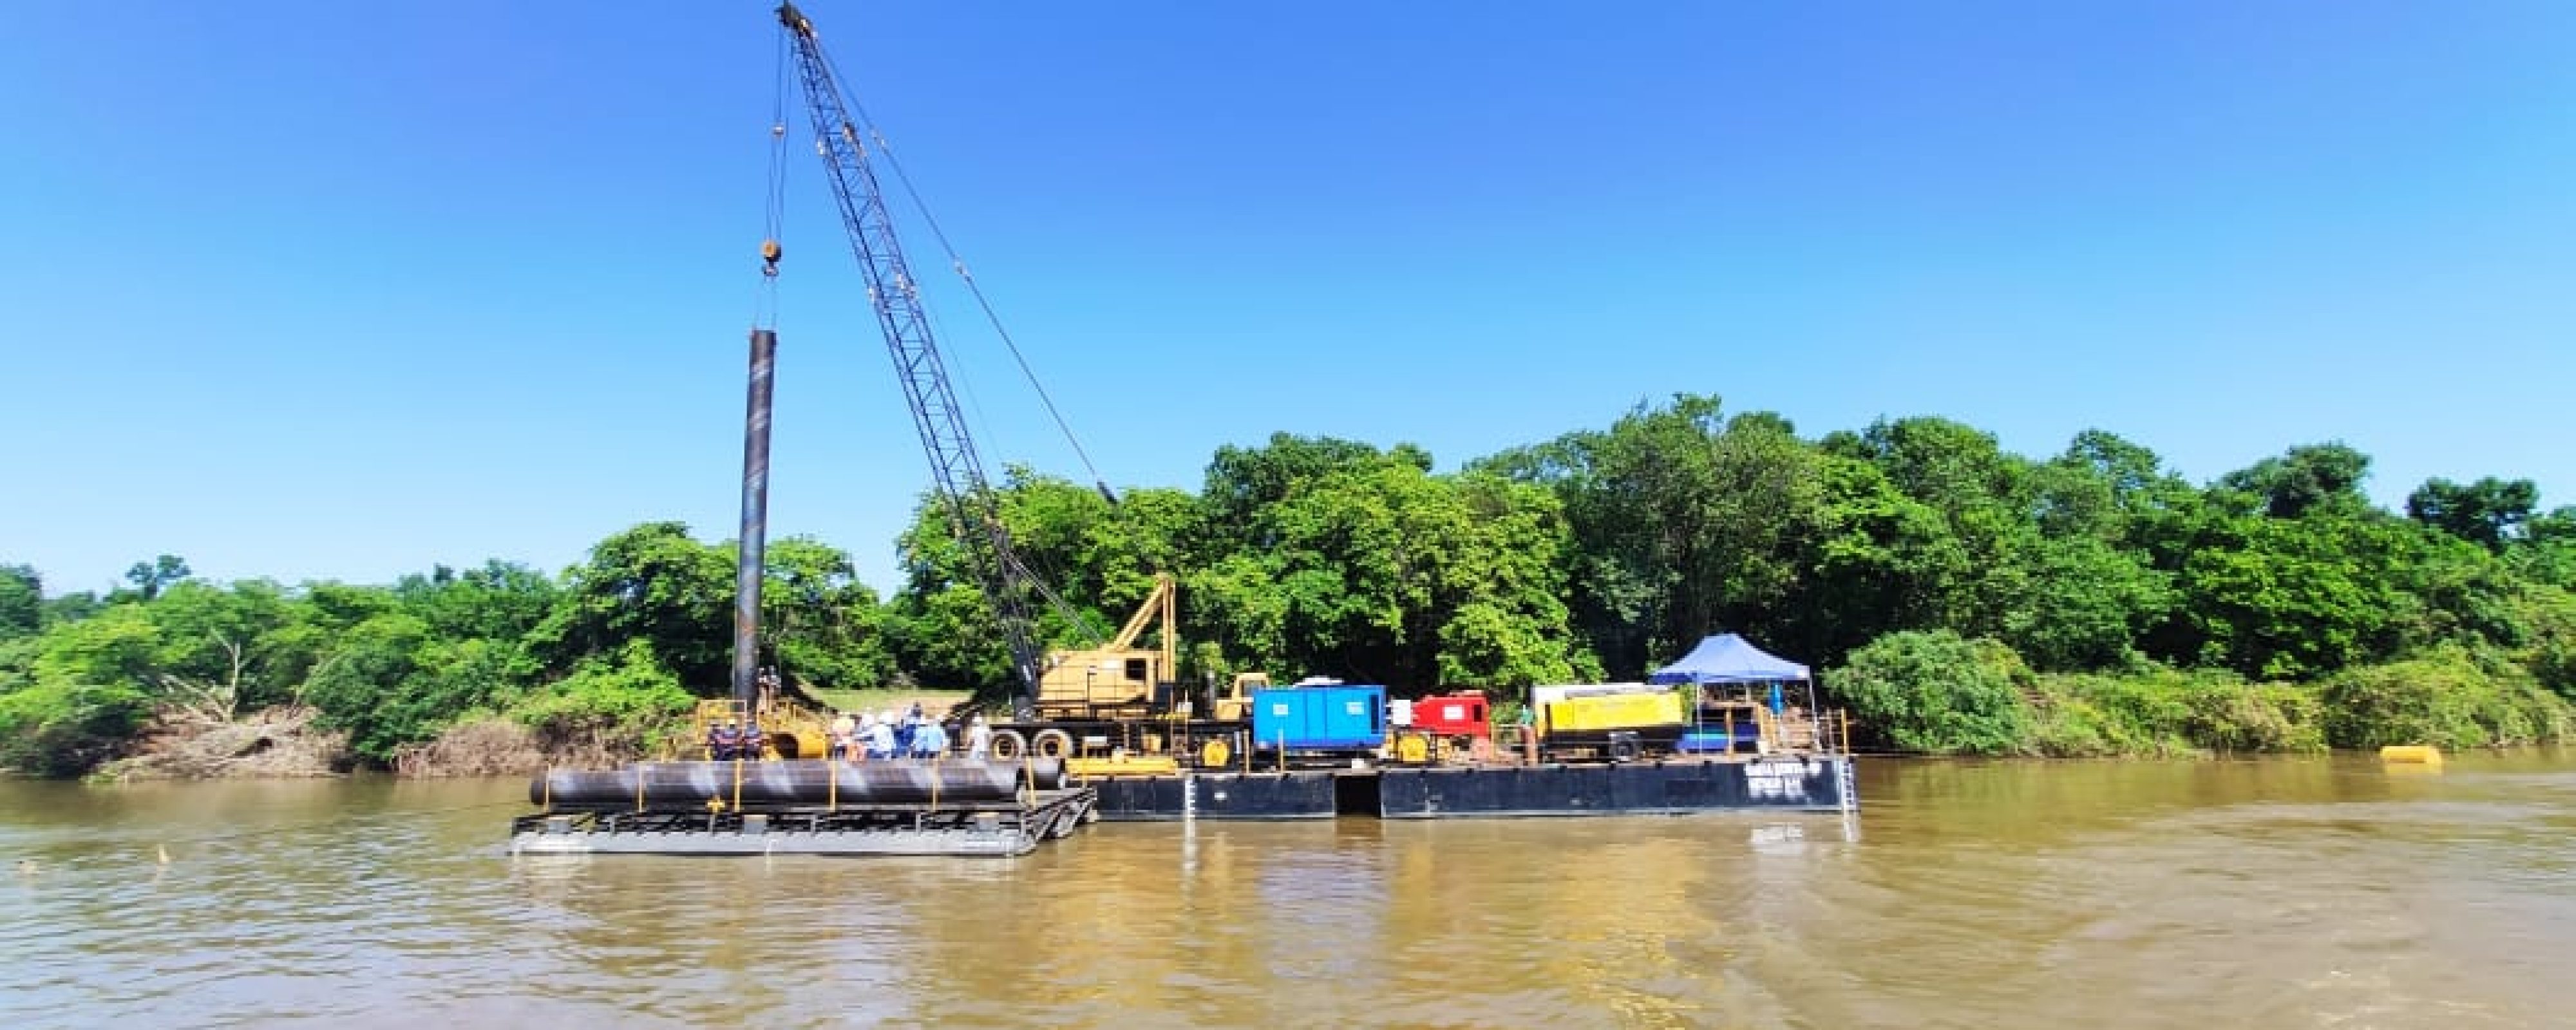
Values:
[(1804, 783)]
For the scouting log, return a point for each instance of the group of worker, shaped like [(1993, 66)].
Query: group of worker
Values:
[(893, 735), (860, 736), (909, 735), (734, 740)]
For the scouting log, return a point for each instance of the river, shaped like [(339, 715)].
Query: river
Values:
[(2291, 892)]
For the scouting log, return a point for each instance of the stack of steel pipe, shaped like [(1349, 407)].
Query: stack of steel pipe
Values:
[(799, 784)]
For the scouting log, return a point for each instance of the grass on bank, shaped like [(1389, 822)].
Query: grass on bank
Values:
[(901, 699), (1938, 693)]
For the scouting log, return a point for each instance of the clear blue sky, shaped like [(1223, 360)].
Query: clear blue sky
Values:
[(331, 290)]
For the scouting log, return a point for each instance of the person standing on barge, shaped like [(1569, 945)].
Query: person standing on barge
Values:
[(930, 740), (845, 731), (881, 739)]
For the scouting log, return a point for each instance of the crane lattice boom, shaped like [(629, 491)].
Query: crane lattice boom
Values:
[(896, 296)]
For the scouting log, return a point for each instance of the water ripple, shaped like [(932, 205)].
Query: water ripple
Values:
[(2294, 894)]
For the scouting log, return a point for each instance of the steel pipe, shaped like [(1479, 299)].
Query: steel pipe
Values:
[(801, 784)]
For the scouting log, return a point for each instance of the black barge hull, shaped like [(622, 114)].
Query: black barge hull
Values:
[(1808, 783), (991, 829), (1811, 783), (1281, 795)]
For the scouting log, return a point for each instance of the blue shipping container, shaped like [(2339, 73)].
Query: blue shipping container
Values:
[(1320, 718)]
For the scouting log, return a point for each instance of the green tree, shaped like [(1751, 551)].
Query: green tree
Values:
[(219, 650), (1936, 692), (2546, 553), (368, 686), (1978, 580), (150, 578), (621, 702), (22, 601), (2545, 616), (648, 583), (394, 680), (1681, 522), (72, 607), (1375, 564), (822, 626), (1241, 481), (941, 624), (2085, 606), (2104, 510), (1881, 562), (500, 601), (2293, 598), (81, 694), (2324, 478), (2488, 512)]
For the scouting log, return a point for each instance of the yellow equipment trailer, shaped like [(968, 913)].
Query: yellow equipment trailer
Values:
[(1615, 722)]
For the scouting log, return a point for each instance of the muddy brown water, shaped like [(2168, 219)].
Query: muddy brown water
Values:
[(2307, 892)]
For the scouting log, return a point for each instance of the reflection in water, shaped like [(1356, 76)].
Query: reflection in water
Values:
[(2307, 892)]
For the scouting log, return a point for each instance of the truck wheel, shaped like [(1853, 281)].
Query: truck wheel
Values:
[(1008, 744), (1623, 749), (1051, 744)]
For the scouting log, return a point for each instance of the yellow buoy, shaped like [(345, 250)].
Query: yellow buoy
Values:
[(2411, 754)]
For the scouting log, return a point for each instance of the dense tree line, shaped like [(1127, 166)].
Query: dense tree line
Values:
[(1958, 597)]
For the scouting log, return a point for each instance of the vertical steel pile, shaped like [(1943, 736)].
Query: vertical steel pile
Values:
[(755, 520)]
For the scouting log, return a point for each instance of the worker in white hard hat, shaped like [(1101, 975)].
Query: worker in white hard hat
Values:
[(881, 739)]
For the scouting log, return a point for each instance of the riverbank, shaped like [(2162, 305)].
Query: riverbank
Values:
[(564, 729), (1984, 704), (271, 744)]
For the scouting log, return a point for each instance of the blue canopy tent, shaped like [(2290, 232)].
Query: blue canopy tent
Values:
[(1726, 658)]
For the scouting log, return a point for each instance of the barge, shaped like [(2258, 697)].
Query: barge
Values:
[(1799, 783), (930, 808)]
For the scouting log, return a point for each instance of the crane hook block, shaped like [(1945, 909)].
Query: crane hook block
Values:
[(769, 255)]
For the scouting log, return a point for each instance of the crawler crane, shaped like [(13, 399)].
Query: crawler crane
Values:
[(1098, 702)]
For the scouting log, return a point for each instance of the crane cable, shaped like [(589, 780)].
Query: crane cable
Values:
[(1118, 511), (1079, 619), (957, 263), (764, 313)]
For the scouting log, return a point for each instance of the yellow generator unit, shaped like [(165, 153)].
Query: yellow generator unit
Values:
[(1599, 712), (1619, 725)]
